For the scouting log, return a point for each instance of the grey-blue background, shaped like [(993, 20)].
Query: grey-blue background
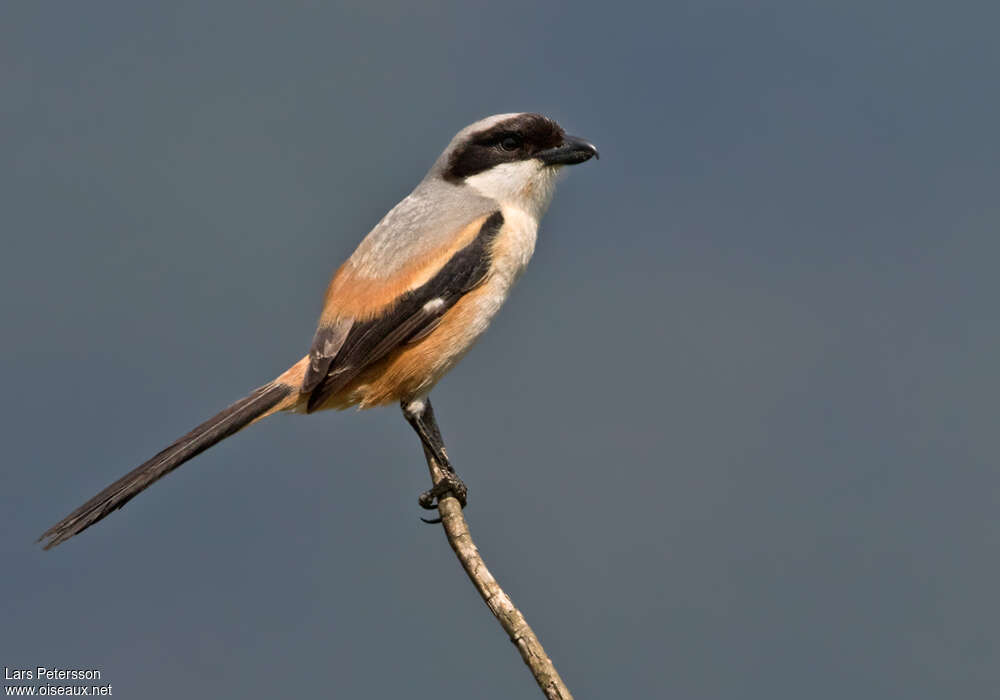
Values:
[(733, 436)]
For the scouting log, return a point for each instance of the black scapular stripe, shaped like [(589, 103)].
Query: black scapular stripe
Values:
[(408, 319), (212, 431)]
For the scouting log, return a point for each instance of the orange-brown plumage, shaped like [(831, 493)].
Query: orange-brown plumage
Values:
[(358, 296), (413, 368)]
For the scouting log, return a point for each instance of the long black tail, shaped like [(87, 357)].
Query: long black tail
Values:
[(215, 429)]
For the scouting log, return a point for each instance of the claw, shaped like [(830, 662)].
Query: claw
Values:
[(450, 485), (427, 500)]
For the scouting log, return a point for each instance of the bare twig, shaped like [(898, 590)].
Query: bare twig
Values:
[(499, 603)]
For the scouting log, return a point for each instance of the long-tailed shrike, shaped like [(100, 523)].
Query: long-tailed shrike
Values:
[(421, 287)]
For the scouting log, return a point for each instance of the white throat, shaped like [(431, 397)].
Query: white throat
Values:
[(527, 185)]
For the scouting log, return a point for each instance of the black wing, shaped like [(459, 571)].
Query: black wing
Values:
[(343, 350)]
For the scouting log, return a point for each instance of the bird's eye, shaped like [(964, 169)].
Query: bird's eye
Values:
[(511, 142)]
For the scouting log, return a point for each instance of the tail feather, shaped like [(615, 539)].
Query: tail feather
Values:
[(212, 431)]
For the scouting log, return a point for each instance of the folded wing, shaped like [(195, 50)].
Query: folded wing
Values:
[(345, 345)]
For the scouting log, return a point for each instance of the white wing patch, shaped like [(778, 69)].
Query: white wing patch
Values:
[(433, 305)]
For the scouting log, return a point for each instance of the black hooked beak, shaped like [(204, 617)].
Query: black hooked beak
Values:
[(571, 152)]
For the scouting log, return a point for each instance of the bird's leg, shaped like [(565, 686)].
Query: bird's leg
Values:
[(420, 416)]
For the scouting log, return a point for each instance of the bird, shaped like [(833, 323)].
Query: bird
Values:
[(406, 306)]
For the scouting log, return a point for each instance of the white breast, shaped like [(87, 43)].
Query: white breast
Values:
[(512, 249), (462, 326), (515, 243)]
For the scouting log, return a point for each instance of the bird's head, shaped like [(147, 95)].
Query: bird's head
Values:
[(512, 158)]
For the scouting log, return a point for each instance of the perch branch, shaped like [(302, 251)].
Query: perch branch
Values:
[(499, 603)]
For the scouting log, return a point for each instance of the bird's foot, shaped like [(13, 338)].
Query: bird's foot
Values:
[(450, 485)]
